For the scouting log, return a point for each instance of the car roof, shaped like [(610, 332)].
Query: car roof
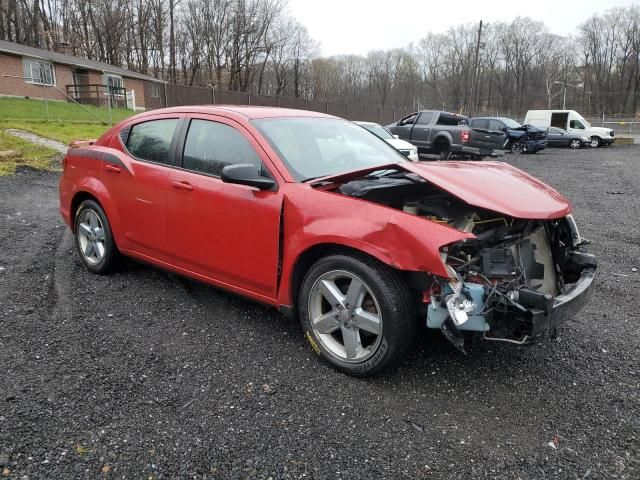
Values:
[(247, 112), (358, 122)]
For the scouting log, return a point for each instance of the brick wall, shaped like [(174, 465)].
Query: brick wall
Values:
[(138, 87), (12, 65)]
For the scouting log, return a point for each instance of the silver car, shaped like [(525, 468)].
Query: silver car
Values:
[(407, 149)]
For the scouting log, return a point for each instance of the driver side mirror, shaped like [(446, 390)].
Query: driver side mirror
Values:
[(246, 174)]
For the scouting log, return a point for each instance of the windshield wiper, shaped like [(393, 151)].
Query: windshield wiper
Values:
[(305, 180)]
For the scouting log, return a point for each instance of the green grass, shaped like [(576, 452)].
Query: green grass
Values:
[(31, 155), (65, 121), (36, 110), (62, 121)]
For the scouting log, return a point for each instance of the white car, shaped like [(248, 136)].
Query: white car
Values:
[(572, 122), (407, 149)]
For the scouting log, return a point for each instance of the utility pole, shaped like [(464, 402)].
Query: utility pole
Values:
[(472, 99), (564, 96)]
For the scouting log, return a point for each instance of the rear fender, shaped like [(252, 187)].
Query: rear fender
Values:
[(95, 188)]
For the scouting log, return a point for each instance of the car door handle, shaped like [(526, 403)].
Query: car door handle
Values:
[(182, 186), (112, 168)]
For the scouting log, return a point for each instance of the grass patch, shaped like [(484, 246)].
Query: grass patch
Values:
[(61, 131), (36, 110), (30, 154)]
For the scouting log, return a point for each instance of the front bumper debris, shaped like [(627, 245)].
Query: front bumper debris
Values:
[(565, 306), (532, 315)]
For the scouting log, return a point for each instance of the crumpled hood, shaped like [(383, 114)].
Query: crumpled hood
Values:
[(495, 186)]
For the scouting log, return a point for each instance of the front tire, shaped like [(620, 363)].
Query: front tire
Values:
[(94, 240), (357, 314), (596, 142), (575, 144), (518, 147)]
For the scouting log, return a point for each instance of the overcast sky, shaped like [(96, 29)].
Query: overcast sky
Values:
[(357, 26)]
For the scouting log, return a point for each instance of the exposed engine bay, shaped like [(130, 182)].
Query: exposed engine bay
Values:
[(507, 281)]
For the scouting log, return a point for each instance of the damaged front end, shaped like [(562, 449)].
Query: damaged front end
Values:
[(516, 278)]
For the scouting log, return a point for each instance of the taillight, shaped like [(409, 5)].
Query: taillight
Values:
[(465, 136)]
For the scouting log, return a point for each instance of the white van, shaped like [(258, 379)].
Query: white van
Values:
[(572, 122)]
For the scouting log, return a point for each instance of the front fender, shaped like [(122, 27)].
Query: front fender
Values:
[(400, 240)]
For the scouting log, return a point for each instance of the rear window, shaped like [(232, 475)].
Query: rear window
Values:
[(151, 140), (451, 120)]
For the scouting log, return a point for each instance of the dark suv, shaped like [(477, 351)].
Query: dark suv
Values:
[(520, 138)]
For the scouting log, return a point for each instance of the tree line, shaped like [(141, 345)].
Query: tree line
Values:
[(257, 46)]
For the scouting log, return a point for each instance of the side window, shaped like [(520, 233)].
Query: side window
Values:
[(425, 118), (480, 123), (211, 146), (152, 140), (576, 124), (410, 120), (495, 125)]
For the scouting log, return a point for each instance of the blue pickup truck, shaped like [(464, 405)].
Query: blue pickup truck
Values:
[(520, 138)]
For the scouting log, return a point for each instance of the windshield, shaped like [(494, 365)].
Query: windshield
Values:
[(584, 122), (319, 147), (378, 130), (510, 123)]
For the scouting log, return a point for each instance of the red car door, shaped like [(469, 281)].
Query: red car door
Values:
[(139, 189), (226, 232)]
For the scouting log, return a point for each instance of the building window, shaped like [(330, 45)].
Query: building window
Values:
[(114, 84), (38, 71), (154, 90)]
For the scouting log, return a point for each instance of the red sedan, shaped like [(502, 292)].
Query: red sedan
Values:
[(325, 221)]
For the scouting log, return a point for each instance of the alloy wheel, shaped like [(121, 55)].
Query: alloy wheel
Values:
[(91, 236), (517, 148), (575, 143), (345, 316)]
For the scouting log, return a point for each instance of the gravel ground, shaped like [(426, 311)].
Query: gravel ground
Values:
[(37, 139), (143, 374)]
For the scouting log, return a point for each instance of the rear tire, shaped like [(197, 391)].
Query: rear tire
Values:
[(443, 150), (357, 314), (575, 144), (94, 240)]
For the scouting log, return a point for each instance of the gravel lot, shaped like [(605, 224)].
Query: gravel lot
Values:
[(143, 374)]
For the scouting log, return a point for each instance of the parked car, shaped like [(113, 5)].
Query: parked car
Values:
[(572, 122), (408, 150), (557, 137), (448, 135), (520, 138), (315, 216)]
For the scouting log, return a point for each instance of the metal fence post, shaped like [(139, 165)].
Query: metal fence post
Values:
[(46, 101)]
